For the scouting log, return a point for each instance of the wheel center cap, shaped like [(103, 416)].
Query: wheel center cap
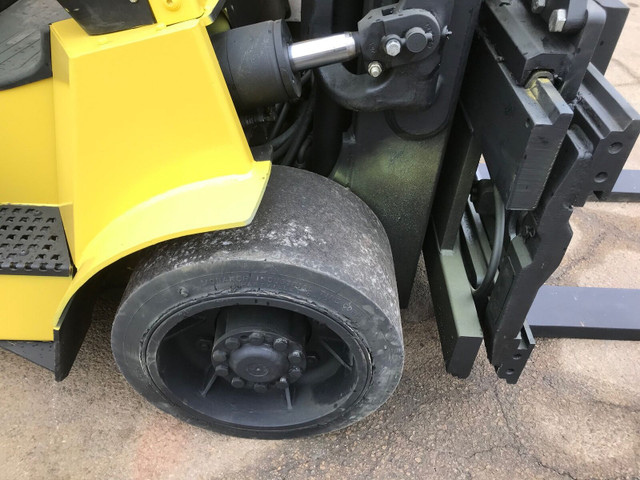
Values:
[(258, 370), (258, 363)]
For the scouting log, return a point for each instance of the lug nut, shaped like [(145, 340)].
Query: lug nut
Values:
[(280, 344), (538, 5), (393, 47), (256, 338), (557, 20), (222, 370), (282, 383), (260, 387), (296, 357), (232, 343), (237, 382), (219, 356), (374, 69), (294, 374)]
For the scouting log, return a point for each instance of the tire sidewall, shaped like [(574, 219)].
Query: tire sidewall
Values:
[(144, 308)]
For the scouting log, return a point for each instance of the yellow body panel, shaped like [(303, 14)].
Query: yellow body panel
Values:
[(26, 304), (146, 147), (139, 113), (27, 145), (233, 203)]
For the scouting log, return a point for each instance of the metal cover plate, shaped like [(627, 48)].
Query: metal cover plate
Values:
[(33, 242)]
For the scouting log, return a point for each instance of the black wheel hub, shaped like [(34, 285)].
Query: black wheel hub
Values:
[(272, 365), (259, 360)]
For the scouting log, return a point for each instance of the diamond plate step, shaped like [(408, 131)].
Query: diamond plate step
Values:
[(33, 242)]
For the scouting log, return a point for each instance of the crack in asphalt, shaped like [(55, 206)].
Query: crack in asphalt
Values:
[(520, 447)]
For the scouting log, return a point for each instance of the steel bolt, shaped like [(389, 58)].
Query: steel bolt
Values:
[(393, 47), (296, 357), (538, 5), (260, 387), (222, 370), (280, 344), (237, 382), (282, 383), (374, 69), (232, 343), (256, 338), (294, 374), (557, 20), (219, 356)]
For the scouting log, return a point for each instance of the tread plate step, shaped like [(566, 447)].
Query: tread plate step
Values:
[(33, 242)]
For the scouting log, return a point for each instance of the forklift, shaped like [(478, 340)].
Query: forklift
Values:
[(261, 177)]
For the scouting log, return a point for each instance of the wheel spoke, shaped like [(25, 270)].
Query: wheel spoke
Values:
[(197, 321), (185, 328), (287, 396), (335, 355), (211, 379)]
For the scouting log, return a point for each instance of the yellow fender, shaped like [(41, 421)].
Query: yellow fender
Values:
[(142, 144)]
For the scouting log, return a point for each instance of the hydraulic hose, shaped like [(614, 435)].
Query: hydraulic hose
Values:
[(484, 288)]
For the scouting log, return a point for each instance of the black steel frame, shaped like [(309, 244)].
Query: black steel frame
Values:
[(588, 312), (522, 117)]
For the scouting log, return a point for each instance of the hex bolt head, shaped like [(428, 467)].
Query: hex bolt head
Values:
[(222, 370), (296, 357), (219, 356), (375, 69), (393, 47), (256, 338), (557, 20), (294, 374), (237, 382), (280, 344), (538, 5), (260, 387), (232, 343), (282, 383)]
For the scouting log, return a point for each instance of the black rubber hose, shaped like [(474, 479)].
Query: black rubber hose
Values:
[(284, 111), (303, 151), (283, 143), (281, 118), (299, 136), (288, 133), (281, 150), (306, 77), (483, 290)]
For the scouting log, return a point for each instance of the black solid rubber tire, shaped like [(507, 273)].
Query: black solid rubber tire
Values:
[(312, 243)]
